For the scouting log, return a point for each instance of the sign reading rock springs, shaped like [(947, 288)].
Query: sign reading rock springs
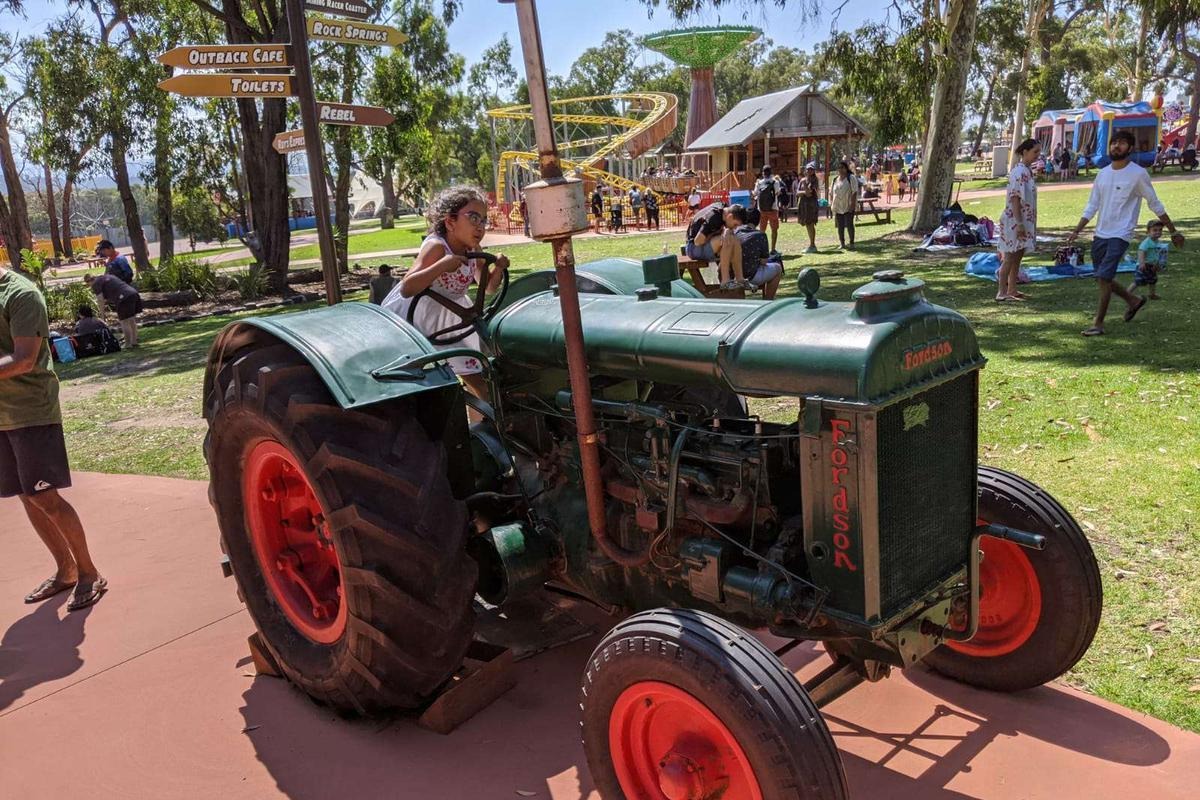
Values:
[(348, 32), (226, 56), (230, 85)]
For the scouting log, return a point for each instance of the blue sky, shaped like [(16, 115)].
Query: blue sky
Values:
[(570, 26)]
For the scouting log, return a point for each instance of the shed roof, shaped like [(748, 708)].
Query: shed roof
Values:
[(789, 113)]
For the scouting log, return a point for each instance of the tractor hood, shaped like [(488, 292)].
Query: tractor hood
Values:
[(887, 343)]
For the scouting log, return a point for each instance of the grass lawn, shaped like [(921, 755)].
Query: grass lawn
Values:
[(406, 234), (1108, 425)]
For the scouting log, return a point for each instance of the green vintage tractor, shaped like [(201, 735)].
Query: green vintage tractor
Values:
[(361, 512)]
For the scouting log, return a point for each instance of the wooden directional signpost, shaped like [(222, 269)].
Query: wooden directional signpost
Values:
[(288, 142), (277, 57)]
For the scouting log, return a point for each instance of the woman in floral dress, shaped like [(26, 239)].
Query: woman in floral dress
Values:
[(1018, 223)]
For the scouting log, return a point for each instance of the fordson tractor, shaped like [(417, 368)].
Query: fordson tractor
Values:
[(361, 511)]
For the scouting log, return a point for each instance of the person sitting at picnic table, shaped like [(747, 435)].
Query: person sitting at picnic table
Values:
[(86, 322), (765, 269), (381, 285), (710, 238), (114, 263), (111, 290)]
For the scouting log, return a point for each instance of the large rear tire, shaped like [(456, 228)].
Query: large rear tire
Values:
[(1039, 610), (343, 533), (684, 704)]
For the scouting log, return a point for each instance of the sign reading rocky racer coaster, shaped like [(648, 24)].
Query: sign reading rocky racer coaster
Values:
[(355, 9)]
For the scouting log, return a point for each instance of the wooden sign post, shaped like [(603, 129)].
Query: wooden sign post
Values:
[(314, 149), (288, 142), (247, 85)]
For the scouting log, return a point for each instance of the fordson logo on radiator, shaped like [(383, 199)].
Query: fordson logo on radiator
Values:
[(922, 354), (839, 472)]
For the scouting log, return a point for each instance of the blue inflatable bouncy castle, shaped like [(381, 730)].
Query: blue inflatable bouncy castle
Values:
[(1094, 129)]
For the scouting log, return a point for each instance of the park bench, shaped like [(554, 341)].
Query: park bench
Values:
[(695, 270), (982, 167)]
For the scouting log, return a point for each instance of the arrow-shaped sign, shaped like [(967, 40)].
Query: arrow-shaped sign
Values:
[(243, 84), (289, 141), (348, 32), (342, 114), (226, 56), (355, 9)]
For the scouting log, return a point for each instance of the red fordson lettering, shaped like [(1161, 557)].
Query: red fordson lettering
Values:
[(839, 457), (923, 354)]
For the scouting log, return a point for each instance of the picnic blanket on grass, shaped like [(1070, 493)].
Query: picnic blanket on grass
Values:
[(985, 265)]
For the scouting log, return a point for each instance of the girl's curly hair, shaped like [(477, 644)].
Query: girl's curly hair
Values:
[(449, 202)]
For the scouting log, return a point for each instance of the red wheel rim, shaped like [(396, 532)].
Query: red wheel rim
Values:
[(292, 543), (667, 744), (1010, 601)]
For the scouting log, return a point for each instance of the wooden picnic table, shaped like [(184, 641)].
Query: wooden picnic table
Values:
[(869, 205)]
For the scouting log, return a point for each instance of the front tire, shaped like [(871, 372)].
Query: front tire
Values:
[(346, 541), (684, 704), (1038, 610)]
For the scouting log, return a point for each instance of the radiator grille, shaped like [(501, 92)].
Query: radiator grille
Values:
[(927, 489)]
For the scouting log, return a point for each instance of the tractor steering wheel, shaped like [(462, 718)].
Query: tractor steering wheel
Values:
[(470, 316)]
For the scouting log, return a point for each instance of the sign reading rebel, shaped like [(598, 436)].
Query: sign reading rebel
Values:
[(342, 114), (226, 56), (340, 30), (355, 9), (289, 141), (246, 84)]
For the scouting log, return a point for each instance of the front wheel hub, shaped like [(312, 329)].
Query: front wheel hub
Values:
[(668, 745), (1010, 600), (295, 554)]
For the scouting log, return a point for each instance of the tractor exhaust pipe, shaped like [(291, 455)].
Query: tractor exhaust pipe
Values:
[(556, 210)]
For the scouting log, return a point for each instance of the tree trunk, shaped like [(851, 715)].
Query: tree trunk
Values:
[(67, 192), (18, 210), (1036, 10), (133, 220), (341, 197), (983, 116), (52, 212), (1194, 107), (937, 177), (163, 207), (1139, 63), (7, 233), (388, 184)]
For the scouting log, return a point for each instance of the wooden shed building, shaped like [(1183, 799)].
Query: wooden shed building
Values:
[(785, 130)]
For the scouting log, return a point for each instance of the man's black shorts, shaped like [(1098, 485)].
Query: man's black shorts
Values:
[(33, 460), (130, 306)]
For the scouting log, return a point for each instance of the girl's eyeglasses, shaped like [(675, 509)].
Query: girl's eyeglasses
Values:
[(475, 218)]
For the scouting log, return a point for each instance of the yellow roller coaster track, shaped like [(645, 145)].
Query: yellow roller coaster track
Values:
[(659, 116)]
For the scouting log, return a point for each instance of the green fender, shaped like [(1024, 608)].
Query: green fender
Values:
[(349, 345)]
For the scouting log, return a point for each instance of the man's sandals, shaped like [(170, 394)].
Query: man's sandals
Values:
[(85, 593), (1132, 312), (47, 589)]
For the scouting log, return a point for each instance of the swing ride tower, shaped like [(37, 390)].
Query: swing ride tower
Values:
[(700, 49)]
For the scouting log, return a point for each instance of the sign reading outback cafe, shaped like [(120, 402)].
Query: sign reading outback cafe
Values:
[(355, 9), (226, 56)]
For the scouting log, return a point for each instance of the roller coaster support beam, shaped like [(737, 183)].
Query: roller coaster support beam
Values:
[(556, 211)]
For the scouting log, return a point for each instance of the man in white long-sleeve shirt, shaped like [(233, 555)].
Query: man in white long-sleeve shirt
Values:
[(1116, 203)]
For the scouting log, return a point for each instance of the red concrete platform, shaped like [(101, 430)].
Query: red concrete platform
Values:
[(150, 694)]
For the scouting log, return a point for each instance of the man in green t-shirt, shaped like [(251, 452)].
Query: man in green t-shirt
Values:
[(33, 452)]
